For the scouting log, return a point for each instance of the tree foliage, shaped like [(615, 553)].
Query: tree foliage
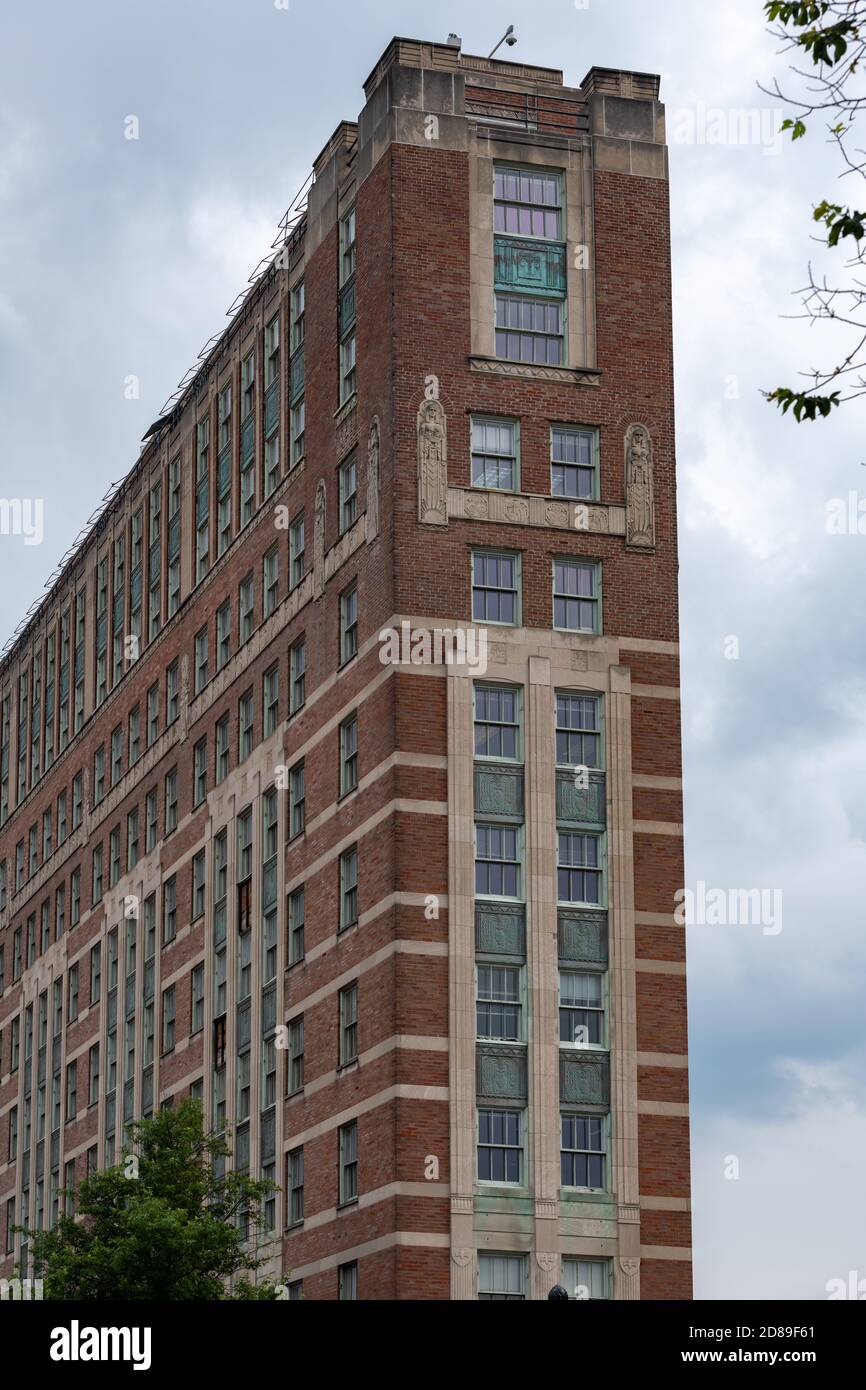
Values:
[(164, 1224), (827, 39)]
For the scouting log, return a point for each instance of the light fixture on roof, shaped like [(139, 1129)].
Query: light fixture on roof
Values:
[(508, 37)]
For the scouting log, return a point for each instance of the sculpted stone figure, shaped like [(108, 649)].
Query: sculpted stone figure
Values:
[(639, 500), (432, 464)]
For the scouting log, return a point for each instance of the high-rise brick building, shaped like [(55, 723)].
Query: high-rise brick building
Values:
[(404, 924)]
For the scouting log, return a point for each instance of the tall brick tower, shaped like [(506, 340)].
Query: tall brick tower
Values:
[(340, 779)]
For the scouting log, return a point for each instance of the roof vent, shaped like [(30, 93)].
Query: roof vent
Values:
[(455, 41)]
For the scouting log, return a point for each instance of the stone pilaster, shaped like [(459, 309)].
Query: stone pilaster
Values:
[(461, 980), (623, 1007)]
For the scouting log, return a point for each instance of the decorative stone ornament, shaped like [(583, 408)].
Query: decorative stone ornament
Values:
[(319, 542), (639, 498), (373, 480), (432, 464)]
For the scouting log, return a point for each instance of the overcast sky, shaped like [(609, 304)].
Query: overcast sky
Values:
[(119, 257)]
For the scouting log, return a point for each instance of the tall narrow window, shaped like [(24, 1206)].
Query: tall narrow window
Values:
[(529, 265), (298, 675), (348, 1051), (349, 888), (348, 623), (348, 1143), (348, 493), (349, 755), (202, 500), (297, 556)]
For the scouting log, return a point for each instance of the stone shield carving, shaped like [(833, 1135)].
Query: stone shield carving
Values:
[(432, 464), (639, 495)]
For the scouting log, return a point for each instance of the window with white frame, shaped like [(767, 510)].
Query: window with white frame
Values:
[(581, 1008), (296, 926), (501, 1278), (246, 601), (573, 462), (495, 454), (579, 867), (349, 755), (270, 700), (347, 1282), (201, 660), (347, 246), (348, 1050), (297, 552), (348, 364), (295, 1187), (348, 1144), (586, 1279), (349, 888), (223, 634), (271, 580), (296, 1055), (583, 1151), (348, 478), (500, 1146), (297, 675), (578, 730), (297, 801), (348, 624), (498, 1007), (496, 587), (497, 723), (298, 432), (576, 586), (498, 861)]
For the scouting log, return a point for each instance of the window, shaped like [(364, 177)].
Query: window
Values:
[(530, 330), (201, 660), (298, 307), (501, 1278), (586, 1279), (72, 994), (296, 1055), (495, 458), (71, 1091), (347, 247), (152, 715), (349, 888), (295, 1187), (131, 839), (349, 1162), (93, 1069), (272, 461), (576, 585), (222, 749), (578, 730), (498, 1006), (272, 350), (298, 675), (95, 973), (500, 1146), (348, 624), (348, 1050), (271, 580), (348, 366), (199, 772), (168, 1018), (96, 875), (150, 821), (77, 800), (245, 726), (578, 875), (347, 1280), (348, 478), (495, 587), (169, 910), (46, 835), (297, 425), (497, 723), (202, 500), (62, 828), (248, 385), (528, 205), (573, 462), (171, 801), (246, 600), (498, 861), (99, 774), (297, 557), (172, 693), (297, 808), (197, 1006), (271, 700), (75, 897), (198, 886), (582, 1152), (134, 735), (349, 755), (114, 856), (223, 634), (296, 926), (581, 1008), (116, 755)]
